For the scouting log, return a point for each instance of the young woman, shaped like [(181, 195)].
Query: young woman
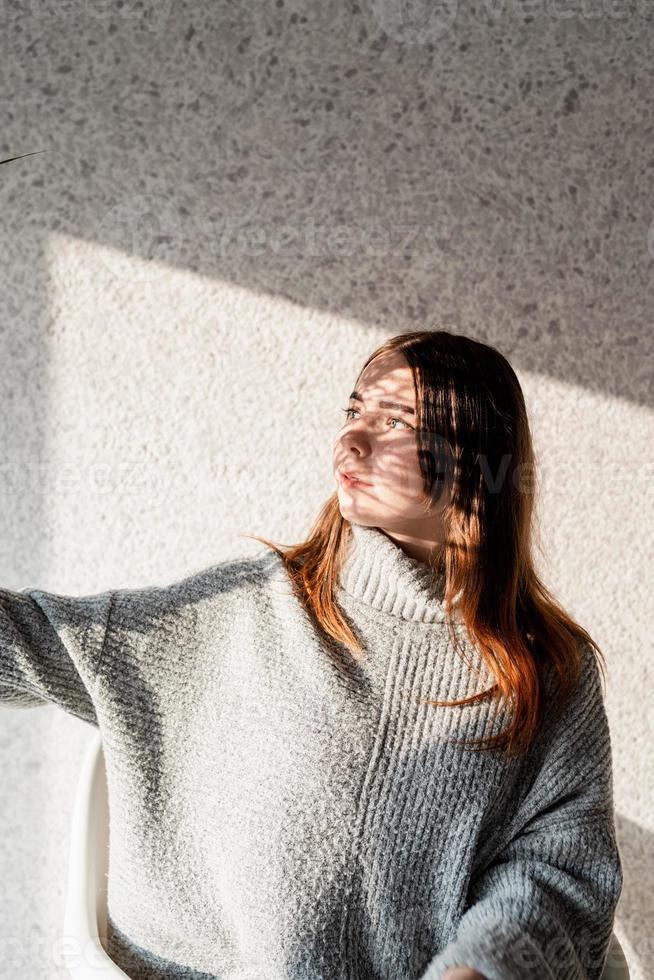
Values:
[(381, 753)]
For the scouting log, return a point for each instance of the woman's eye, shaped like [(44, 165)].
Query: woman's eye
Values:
[(348, 412)]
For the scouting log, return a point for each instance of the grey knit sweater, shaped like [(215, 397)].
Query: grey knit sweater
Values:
[(280, 813)]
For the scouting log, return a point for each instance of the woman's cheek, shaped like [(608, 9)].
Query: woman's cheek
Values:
[(404, 476)]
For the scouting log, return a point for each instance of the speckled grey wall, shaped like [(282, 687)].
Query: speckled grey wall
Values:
[(229, 207)]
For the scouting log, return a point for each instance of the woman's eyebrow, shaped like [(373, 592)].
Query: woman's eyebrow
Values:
[(355, 396)]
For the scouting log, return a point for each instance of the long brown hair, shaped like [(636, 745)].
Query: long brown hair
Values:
[(473, 437)]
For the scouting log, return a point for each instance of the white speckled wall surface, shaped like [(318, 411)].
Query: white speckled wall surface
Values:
[(231, 206)]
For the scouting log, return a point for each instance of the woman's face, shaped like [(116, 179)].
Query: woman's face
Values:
[(377, 443)]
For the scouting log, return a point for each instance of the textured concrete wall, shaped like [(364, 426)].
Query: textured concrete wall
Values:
[(233, 207)]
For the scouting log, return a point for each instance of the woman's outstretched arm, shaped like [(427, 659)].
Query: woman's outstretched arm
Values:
[(51, 648), (64, 650)]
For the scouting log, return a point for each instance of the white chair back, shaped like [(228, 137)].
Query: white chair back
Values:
[(85, 917)]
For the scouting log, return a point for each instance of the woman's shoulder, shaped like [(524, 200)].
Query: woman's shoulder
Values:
[(207, 586), (242, 569)]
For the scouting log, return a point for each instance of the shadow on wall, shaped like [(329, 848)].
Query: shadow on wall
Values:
[(389, 171)]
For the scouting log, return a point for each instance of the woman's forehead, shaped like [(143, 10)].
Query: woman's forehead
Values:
[(387, 376)]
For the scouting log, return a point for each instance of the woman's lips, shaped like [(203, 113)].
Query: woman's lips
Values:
[(352, 482)]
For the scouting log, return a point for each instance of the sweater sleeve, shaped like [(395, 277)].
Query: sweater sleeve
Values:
[(542, 907), (51, 647)]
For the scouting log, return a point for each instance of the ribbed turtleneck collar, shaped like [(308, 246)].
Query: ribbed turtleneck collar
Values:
[(378, 573)]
